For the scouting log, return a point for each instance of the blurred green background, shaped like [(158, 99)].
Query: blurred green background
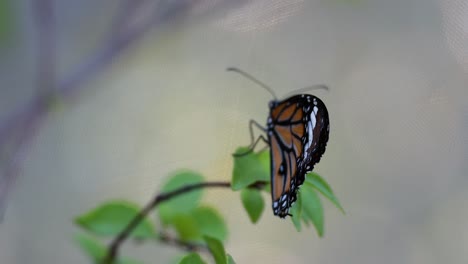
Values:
[(397, 155)]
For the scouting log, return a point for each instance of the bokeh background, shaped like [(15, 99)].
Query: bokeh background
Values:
[(142, 91)]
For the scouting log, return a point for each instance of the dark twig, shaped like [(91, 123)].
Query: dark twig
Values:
[(116, 45), (169, 240), (16, 134), (125, 12), (19, 130), (21, 126), (114, 246)]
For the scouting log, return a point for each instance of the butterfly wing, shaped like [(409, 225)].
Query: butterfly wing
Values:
[(298, 132)]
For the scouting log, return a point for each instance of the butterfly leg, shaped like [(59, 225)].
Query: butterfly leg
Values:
[(251, 124), (253, 142), (251, 147)]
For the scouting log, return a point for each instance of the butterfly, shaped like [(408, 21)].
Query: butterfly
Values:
[(297, 134)]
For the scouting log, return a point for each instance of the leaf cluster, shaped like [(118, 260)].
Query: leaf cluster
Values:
[(188, 223), (184, 221), (254, 167)]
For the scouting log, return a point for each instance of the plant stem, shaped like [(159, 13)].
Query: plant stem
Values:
[(115, 244), (167, 239)]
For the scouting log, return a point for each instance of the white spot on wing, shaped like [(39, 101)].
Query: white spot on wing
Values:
[(310, 130), (313, 120)]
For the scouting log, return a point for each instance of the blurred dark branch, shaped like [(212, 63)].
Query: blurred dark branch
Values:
[(116, 243), (125, 11), (110, 50), (119, 43), (114, 246), (21, 127)]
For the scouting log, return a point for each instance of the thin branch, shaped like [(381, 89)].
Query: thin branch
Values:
[(188, 246), (115, 46), (19, 130), (124, 13), (116, 243), (14, 139), (14, 147), (114, 246)]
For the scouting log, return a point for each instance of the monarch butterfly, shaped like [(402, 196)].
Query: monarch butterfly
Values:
[(297, 130)]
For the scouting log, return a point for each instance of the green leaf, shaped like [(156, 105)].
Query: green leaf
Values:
[(217, 250), (210, 223), (296, 212), (192, 258), (97, 251), (109, 219), (230, 260), (264, 158), (125, 260), (250, 168), (177, 259), (305, 219), (322, 186), (186, 226), (253, 203), (312, 207), (91, 247), (201, 221), (183, 203)]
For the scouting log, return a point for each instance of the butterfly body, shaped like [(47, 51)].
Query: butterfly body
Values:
[(298, 129)]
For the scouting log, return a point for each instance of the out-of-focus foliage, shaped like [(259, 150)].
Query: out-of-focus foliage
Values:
[(250, 168), (110, 219), (308, 207), (217, 250), (200, 225), (96, 251), (181, 204), (253, 203), (192, 258), (314, 180)]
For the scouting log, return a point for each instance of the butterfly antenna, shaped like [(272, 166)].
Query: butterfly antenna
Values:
[(250, 77), (309, 88)]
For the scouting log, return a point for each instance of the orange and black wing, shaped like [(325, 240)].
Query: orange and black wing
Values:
[(298, 133)]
